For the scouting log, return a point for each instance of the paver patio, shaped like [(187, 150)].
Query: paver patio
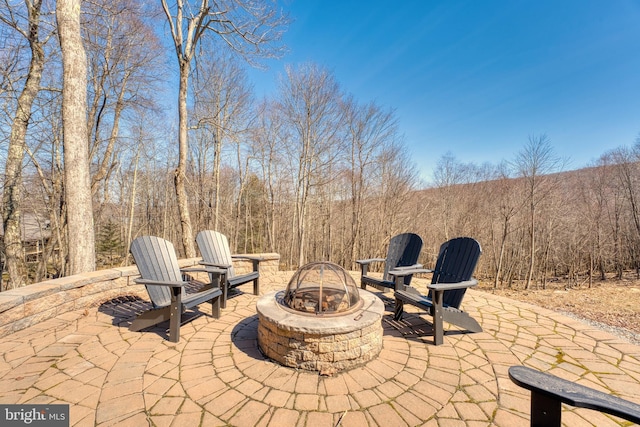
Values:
[(216, 375)]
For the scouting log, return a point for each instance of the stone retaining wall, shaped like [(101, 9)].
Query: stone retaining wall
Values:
[(24, 307)]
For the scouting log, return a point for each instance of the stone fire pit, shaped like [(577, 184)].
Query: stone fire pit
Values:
[(322, 322)]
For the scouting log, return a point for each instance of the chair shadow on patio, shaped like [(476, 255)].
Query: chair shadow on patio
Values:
[(412, 326), (124, 308)]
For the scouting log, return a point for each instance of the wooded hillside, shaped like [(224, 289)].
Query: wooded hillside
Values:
[(310, 173)]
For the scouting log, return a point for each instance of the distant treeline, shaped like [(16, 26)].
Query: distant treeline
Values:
[(584, 224)]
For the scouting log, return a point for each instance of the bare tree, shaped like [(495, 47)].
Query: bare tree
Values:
[(13, 185), (534, 163), (506, 208), (123, 59), (449, 175), (369, 130), (266, 144), (129, 178), (309, 103), (250, 28), (595, 192), (221, 115), (627, 173), (394, 181), (47, 191), (77, 187)]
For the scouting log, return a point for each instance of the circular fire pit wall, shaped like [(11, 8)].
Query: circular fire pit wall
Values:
[(321, 322)]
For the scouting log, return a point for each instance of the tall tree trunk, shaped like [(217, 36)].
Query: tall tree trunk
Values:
[(132, 208), (108, 162), (532, 248), (181, 171), (217, 153), (12, 195), (503, 242), (242, 184), (77, 187), (301, 206)]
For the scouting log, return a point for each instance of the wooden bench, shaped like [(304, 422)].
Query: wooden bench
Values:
[(548, 392)]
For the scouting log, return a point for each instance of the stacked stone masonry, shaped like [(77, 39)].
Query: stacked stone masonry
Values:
[(317, 352), (317, 343)]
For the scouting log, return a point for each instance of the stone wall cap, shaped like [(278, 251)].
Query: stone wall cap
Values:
[(101, 275), (10, 299), (37, 290), (370, 313)]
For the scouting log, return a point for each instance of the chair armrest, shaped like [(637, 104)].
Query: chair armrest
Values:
[(410, 269), (249, 257), (213, 264), (407, 267), (370, 260), (204, 270), (559, 390), (449, 286), (161, 283), (399, 273)]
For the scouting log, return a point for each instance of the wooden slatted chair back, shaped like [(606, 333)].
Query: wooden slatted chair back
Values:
[(214, 248), (156, 260), (403, 251), (456, 262)]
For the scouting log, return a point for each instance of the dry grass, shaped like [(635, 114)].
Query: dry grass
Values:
[(612, 302)]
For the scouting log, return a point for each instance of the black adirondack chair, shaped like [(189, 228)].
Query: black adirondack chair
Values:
[(452, 276), (158, 265), (403, 251), (214, 248), (548, 392)]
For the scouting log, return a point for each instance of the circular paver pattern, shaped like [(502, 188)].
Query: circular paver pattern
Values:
[(216, 374)]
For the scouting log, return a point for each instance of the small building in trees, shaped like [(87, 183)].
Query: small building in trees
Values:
[(36, 232)]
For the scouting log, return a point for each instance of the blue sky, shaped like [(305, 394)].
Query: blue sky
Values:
[(477, 78)]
